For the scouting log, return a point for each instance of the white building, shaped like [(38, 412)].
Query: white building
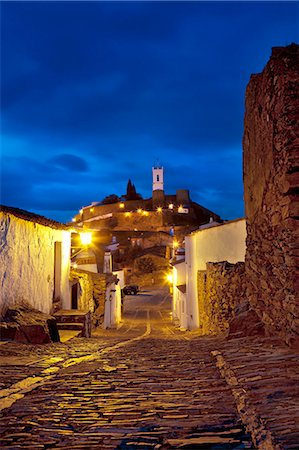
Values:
[(210, 243), (179, 305), (34, 261)]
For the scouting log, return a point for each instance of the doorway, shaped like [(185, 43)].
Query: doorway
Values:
[(75, 296)]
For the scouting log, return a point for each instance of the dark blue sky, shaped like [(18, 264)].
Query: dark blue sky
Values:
[(93, 93)]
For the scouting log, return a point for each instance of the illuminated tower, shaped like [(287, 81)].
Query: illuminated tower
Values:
[(158, 178), (158, 186)]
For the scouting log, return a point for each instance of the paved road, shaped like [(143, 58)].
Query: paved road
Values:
[(144, 386)]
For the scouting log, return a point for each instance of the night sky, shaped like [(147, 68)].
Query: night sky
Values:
[(93, 93)]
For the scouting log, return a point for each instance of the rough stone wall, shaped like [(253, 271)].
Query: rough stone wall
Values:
[(150, 221), (220, 289), (92, 293), (271, 181)]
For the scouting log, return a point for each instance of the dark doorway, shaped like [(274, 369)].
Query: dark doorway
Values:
[(75, 296)]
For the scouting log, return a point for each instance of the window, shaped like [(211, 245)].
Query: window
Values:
[(158, 178)]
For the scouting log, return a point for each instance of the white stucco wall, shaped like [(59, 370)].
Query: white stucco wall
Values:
[(179, 298), (27, 263), (112, 314), (121, 276), (225, 242)]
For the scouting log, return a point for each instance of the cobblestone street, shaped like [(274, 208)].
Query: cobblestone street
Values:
[(148, 385)]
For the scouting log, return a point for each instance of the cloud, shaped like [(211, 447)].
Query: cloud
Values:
[(94, 92), (69, 162)]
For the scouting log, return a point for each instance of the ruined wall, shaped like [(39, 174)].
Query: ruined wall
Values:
[(270, 159), (92, 293), (221, 287)]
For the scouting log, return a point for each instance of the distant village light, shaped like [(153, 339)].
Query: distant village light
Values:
[(86, 237), (74, 219), (91, 210), (121, 205), (145, 213), (171, 205), (159, 209), (175, 244), (81, 211), (139, 210)]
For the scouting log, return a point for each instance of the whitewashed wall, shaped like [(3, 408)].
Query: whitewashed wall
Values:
[(179, 297), (121, 276), (225, 242), (27, 264), (112, 314)]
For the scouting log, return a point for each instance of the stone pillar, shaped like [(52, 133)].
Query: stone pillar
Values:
[(270, 162)]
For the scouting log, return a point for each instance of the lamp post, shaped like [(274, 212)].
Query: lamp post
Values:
[(85, 240)]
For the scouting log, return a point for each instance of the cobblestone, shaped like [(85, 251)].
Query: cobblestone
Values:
[(147, 386)]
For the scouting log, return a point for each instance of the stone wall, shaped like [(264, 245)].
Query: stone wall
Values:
[(92, 293), (221, 287), (271, 181)]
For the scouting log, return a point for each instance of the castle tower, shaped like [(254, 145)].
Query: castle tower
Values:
[(158, 186), (158, 178)]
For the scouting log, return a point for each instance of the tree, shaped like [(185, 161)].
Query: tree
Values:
[(131, 192), (145, 265), (112, 198)]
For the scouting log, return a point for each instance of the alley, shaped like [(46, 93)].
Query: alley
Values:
[(146, 385)]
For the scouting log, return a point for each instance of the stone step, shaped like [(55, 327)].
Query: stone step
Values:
[(70, 326), (72, 315)]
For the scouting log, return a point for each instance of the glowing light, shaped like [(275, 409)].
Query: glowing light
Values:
[(180, 209), (145, 213), (122, 205), (75, 265), (86, 238), (139, 210), (81, 211), (74, 219), (91, 210), (127, 214), (159, 209), (171, 205), (169, 278), (175, 244)]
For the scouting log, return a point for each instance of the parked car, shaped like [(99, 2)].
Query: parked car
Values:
[(131, 289)]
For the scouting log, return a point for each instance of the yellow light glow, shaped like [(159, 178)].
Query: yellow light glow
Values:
[(145, 213), (127, 214), (74, 219), (121, 205), (175, 244), (81, 211), (169, 278), (139, 210), (170, 206), (75, 265), (86, 238), (91, 210), (159, 209)]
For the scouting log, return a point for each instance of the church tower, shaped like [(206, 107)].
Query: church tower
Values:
[(158, 186), (158, 178)]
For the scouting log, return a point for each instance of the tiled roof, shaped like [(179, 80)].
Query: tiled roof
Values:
[(32, 217)]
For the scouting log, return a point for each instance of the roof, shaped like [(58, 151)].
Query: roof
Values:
[(182, 288), (216, 224), (178, 261), (32, 217)]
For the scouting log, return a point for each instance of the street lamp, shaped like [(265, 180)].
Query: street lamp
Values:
[(86, 237)]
